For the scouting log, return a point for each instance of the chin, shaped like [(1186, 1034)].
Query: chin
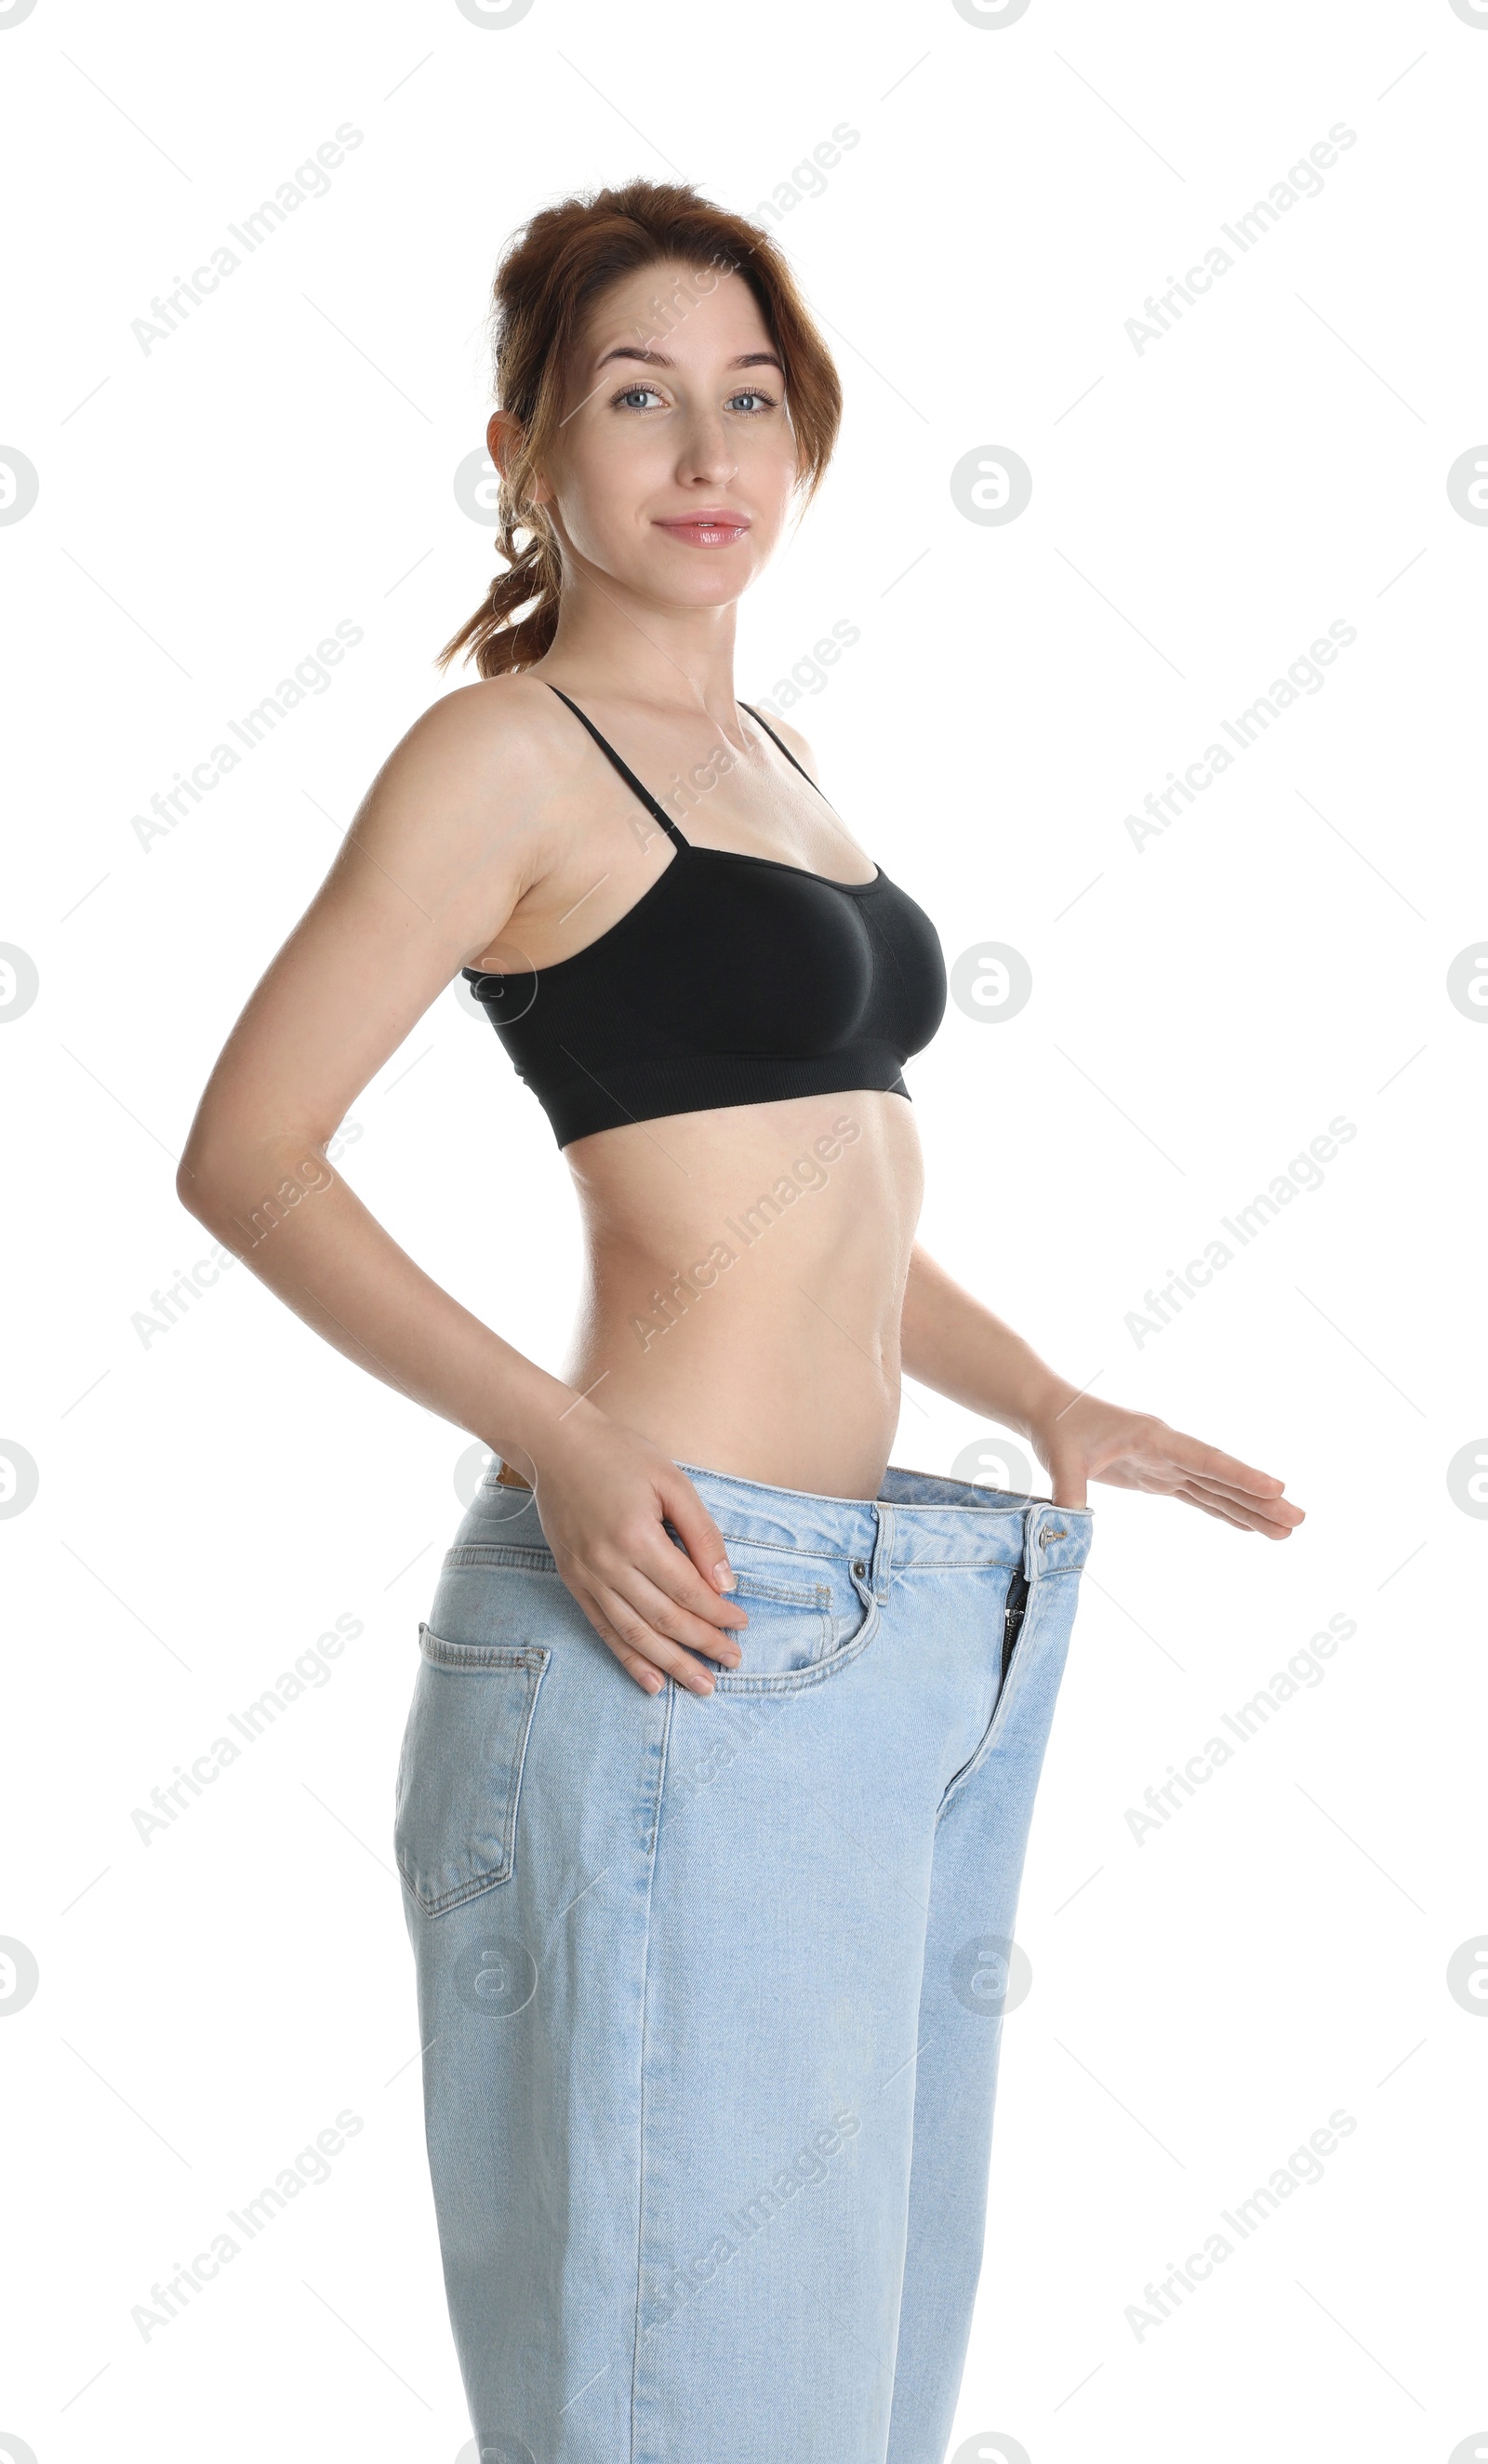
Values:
[(717, 577)]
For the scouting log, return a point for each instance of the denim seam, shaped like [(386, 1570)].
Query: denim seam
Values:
[(780, 1549), (795, 1680), (532, 1660), (499, 1552), (969, 1770), (667, 1698), (443, 1654), (795, 1595)]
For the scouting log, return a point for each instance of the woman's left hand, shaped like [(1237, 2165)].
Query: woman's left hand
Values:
[(1086, 1440)]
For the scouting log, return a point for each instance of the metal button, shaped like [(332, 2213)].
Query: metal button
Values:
[(858, 1566)]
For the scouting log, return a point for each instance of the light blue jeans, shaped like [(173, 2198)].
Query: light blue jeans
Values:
[(712, 1987)]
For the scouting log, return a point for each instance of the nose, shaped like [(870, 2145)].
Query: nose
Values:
[(706, 458)]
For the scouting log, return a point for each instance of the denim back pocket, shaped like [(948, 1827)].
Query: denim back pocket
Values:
[(460, 1771)]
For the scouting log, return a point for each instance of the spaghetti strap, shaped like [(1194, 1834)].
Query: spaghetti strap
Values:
[(784, 748), (625, 772)]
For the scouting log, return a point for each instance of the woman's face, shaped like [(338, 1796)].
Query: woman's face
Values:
[(674, 469)]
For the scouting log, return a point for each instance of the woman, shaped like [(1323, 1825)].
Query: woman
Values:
[(721, 1759)]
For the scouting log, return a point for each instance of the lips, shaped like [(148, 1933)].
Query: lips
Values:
[(717, 527)]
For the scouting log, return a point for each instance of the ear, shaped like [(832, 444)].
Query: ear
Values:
[(503, 441)]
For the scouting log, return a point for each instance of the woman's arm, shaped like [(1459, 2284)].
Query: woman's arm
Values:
[(951, 1343), (425, 877), (447, 838)]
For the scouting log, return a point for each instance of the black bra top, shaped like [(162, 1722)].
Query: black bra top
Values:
[(734, 980)]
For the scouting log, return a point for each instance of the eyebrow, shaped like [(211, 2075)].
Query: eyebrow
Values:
[(659, 359)]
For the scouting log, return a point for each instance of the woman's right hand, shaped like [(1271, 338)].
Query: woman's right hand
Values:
[(602, 1490)]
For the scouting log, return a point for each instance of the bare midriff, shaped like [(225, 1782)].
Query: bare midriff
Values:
[(742, 1327)]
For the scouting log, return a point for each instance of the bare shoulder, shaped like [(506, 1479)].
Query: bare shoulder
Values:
[(792, 739), (470, 777), (500, 724)]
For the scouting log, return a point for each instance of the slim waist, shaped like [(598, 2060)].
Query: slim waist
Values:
[(918, 1518)]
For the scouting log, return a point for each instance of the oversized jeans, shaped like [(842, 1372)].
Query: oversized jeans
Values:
[(712, 1987)]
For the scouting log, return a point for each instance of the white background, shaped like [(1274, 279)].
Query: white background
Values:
[(212, 1500)]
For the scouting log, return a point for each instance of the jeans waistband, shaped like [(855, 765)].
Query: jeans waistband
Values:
[(919, 1518)]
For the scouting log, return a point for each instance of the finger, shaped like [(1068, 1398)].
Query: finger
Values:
[(635, 1664), (1207, 1505), (699, 1533), (617, 1624), (1243, 1517), (1210, 1463), (666, 1614), (673, 1574), (643, 1567), (1068, 1487), (1279, 1510)]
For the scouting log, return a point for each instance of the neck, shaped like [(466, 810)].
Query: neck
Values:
[(614, 640)]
